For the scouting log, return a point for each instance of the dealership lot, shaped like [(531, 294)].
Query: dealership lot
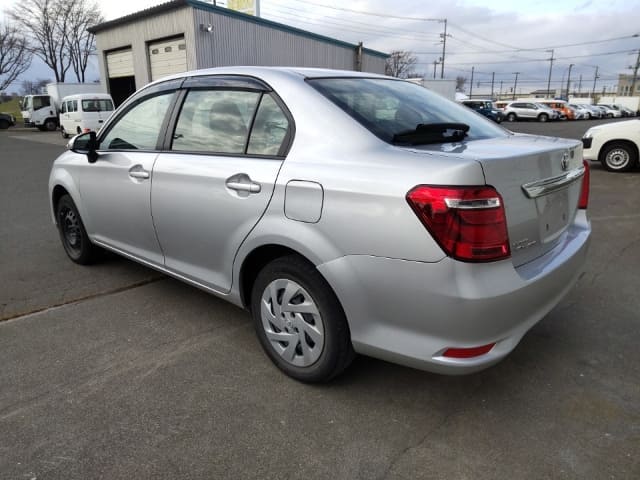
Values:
[(116, 371)]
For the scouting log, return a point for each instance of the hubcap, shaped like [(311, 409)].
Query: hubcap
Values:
[(617, 158), (292, 322), (71, 228)]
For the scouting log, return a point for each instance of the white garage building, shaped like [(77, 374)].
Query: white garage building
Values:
[(183, 35)]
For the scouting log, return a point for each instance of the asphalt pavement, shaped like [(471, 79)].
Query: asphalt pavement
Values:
[(115, 371)]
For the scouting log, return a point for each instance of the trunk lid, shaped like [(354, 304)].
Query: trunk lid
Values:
[(539, 179)]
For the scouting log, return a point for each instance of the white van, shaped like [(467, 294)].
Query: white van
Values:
[(84, 112)]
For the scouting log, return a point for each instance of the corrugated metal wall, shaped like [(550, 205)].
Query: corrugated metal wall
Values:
[(234, 41), (137, 35)]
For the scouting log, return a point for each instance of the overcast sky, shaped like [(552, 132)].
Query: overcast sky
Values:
[(484, 33)]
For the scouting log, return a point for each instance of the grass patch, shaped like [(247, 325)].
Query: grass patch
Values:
[(12, 107)]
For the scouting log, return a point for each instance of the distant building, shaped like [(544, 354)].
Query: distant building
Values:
[(182, 35), (624, 85), (544, 93)]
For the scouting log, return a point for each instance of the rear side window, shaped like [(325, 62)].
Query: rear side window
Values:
[(390, 107), (270, 128), (139, 127), (216, 121), (103, 105)]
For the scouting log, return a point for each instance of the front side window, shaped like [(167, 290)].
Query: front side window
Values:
[(139, 128), (389, 108), (215, 121), (63, 107), (41, 102), (103, 105)]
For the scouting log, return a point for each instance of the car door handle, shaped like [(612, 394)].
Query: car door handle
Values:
[(243, 183), (138, 172)]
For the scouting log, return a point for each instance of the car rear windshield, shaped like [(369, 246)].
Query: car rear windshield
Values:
[(97, 105), (390, 107)]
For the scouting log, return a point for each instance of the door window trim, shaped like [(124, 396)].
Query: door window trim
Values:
[(222, 83)]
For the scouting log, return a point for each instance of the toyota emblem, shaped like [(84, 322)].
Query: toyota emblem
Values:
[(564, 163)]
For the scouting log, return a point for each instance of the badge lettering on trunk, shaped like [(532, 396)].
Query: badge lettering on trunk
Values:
[(564, 162)]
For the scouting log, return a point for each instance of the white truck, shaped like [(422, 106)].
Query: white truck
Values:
[(42, 111)]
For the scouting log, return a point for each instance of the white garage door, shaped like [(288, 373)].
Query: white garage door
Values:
[(167, 57), (120, 64)]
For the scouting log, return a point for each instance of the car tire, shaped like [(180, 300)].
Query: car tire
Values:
[(512, 117), (4, 124), (73, 235), (543, 117), (63, 132), (619, 157), (50, 125), (313, 345)]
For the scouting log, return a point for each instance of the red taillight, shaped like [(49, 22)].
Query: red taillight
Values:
[(584, 193), (469, 223), (467, 352)]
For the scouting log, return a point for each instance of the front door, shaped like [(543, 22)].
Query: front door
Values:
[(215, 183), (116, 190)]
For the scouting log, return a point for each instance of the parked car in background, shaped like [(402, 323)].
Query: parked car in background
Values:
[(610, 111), (626, 112), (559, 106), (581, 112), (529, 111), (615, 145), (84, 112), (347, 211), (594, 112), (501, 104), (6, 121), (486, 108)]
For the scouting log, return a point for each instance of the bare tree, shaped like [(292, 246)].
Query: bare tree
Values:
[(81, 43), (57, 32), (15, 57), (30, 87), (400, 64), (460, 81)]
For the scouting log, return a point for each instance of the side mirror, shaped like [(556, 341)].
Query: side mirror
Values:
[(85, 144)]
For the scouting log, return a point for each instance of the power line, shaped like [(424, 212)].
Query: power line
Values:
[(546, 59), (383, 15)]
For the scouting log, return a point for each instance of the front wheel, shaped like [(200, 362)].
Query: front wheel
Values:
[(619, 157), (63, 132), (299, 321), (50, 125), (73, 235), (4, 124), (543, 117), (511, 117)]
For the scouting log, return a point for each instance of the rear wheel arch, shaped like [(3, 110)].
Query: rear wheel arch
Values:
[(255, 261)]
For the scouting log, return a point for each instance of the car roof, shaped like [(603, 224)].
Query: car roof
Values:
[(87, 96)]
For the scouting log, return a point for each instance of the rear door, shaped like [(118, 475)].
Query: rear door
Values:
[(212, 187)]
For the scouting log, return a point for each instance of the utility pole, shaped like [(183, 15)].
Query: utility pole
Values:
[(515, 84), (593, 92), (444, 47), (579, 86), (493, 77), (435, 63), (635, 74), (550, 68), (500, 94), (569, 79), (471, 87)]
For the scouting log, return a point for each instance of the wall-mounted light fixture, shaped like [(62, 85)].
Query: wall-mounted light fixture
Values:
[(206, 28)]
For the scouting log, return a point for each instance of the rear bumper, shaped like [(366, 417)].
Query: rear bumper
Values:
[(410, 312)]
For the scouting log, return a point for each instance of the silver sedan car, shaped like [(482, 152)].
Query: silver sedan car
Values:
[(349, 212)]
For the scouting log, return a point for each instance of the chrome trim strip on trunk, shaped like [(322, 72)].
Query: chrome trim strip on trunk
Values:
[(548, 185)]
